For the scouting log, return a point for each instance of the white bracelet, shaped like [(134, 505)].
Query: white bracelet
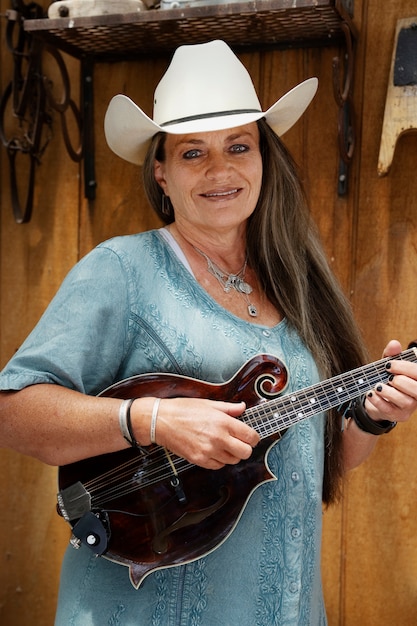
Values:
[(153, 419)]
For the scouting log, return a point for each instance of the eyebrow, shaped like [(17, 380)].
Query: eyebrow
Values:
[(232, 137)]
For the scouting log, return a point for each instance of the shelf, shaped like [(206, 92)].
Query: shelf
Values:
[(260, 23)]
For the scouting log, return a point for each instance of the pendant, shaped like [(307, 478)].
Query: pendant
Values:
[(253, 312), (231, 282), (243, 286)]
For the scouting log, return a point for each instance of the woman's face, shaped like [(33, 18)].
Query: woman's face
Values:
[(213, 179)]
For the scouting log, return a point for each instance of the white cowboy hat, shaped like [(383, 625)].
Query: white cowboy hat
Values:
[(205, 88)]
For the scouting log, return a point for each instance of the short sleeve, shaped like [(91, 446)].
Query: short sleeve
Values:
[(82, 337)]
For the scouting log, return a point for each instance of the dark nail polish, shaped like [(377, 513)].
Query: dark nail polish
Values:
[(391, 378), (370, 394), (388, 365), (379, 388)]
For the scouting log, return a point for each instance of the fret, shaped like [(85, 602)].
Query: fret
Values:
[(272, 416)]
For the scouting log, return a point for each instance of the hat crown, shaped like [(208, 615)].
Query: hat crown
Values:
[(203, 80)]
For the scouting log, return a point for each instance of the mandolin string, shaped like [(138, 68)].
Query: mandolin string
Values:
[(292, 408), (128, 468), (112, 474), (268, 418), (127, 487), (156, 471), (295, 407)]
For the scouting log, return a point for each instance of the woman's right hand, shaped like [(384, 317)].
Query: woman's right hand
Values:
[(204, 432)]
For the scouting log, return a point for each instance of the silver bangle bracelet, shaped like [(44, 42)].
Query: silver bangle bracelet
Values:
[(125, 424), (153, 419)]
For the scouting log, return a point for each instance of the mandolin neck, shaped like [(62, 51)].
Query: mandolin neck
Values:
[(273, 416)]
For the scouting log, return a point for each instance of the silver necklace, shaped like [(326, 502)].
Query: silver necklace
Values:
[(231, 281)]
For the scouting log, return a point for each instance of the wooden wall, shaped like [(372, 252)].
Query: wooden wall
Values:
[(370, 547)]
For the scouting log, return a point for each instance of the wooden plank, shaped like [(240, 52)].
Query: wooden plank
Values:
[(34, 258), (380, 542), (120, 206), (334, 218)]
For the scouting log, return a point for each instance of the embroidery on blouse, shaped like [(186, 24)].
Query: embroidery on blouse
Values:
[(284, 585)]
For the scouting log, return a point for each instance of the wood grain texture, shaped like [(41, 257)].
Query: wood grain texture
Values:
[(380, 545)]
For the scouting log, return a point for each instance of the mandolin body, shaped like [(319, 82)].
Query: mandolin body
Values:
[(154, 518)]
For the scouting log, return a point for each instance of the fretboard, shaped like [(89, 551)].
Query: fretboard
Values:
[(273, 416)]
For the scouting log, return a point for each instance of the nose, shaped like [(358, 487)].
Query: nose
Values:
[(218, 166)]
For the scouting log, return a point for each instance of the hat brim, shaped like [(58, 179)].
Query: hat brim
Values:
[(128, 130)]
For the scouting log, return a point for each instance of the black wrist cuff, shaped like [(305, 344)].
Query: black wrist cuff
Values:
[(357, 412)]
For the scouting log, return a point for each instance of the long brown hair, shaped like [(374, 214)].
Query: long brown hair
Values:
[(285, 251)]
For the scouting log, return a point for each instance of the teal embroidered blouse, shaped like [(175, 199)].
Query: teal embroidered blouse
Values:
[(131, 306)]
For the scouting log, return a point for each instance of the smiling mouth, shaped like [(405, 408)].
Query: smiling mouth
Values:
[(220, 194)]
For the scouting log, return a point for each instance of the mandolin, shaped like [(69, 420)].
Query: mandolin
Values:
[(148, 509)]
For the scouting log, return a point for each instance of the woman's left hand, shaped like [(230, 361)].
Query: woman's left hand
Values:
[(397, 400)]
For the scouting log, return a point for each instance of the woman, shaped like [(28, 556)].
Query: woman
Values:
[(238, 271)]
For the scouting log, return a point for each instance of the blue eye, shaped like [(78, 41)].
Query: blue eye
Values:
[(191, 154), (239, 147)]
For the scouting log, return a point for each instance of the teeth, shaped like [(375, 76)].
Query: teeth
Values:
[(221, 193)]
